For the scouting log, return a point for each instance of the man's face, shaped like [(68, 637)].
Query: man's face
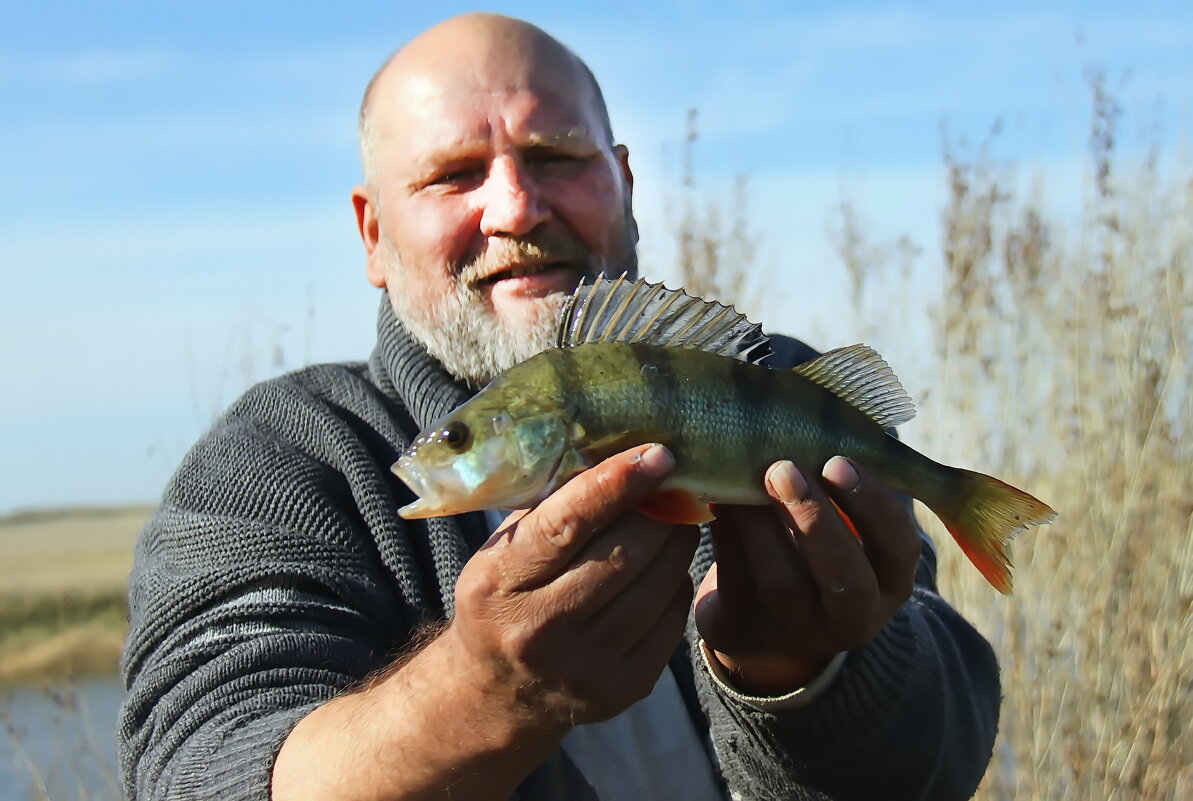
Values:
[(495, 191)]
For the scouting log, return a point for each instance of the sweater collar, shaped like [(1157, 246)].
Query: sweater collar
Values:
[(408, 374)]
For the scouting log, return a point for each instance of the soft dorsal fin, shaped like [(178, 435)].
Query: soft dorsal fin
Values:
[(619, 310), (860, 377)]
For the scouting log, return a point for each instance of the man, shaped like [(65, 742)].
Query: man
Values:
[(293, 637)]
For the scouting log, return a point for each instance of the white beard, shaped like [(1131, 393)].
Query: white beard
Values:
[(469, 338), (473, 342)]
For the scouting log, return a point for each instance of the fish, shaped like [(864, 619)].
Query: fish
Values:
[(635, 362)]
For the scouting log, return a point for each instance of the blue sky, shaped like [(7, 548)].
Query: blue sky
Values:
[(174, 176)]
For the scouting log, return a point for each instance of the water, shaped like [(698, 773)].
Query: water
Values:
[(57, 741)]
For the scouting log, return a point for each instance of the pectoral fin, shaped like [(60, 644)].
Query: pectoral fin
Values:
[(676, 506)]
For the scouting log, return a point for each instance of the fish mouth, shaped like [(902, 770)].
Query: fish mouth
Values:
[(425, 504), (412, 476)]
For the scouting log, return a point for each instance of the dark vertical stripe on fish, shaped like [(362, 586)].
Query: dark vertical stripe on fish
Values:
[(830, 422), (572, 384), (660, 377), (751, 387)]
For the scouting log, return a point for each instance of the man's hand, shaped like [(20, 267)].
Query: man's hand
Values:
[(567, 615), (573, 608), (792, 585)]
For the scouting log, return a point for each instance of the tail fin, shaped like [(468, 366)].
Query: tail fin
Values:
[(987, 518)]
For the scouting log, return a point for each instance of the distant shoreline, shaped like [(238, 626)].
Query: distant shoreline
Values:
[(49, 514), (72, 653), (58, 635), (63, 578)]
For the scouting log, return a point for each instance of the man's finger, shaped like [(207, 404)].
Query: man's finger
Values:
[(660, 641), (891, 542), (834, 557), (757, 558), (635, 610), (543, 542), (611, 562)]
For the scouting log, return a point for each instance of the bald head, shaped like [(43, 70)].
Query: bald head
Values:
[(468, 51), (492, 187)]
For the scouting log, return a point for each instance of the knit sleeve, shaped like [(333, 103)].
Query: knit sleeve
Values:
[(258, 592), (911, 715)]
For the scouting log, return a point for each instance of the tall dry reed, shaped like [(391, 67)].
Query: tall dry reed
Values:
[(1063, 363), (715, 248)]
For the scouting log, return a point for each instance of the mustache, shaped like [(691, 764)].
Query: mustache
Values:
[(507, 253)]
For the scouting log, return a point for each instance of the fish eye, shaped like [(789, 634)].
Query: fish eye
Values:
[(455, 435)]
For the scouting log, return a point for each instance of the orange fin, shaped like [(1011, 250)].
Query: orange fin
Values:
[(848, 523), (676, 506), (986, 519)]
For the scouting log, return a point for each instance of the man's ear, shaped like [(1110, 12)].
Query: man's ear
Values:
[(369, 228), (622, 154)]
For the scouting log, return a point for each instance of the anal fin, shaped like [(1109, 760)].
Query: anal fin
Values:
[(676, 506), (845, 519)]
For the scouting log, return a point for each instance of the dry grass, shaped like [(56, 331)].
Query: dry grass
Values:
[(75, 550), (62, 591), (1063, 365), (91, 649), (715, 247)]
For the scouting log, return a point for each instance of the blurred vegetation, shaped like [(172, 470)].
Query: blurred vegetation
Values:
[(63, 611), (61, 635), (1063, 363), (25, 617), (716, 249)]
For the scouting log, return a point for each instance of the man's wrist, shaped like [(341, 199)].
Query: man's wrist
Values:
[(510, 712), (772, 684)]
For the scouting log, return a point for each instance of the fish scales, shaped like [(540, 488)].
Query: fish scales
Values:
[(725, 420)]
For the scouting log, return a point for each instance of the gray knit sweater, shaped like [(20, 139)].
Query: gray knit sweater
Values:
[(276, 573)]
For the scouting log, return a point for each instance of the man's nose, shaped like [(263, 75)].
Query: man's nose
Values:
[(512, 203)]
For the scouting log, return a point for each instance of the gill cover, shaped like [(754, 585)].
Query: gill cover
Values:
[(487, 454)]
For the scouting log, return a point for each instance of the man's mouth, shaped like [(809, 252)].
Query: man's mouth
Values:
[(520, 271), (537, 280)]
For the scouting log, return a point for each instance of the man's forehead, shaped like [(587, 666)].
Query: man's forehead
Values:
[(427, 118)]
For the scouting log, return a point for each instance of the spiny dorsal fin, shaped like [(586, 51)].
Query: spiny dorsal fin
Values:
[(619, 310), (860, 377)]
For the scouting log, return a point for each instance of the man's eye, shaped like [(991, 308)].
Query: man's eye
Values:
[(556, 164), (554, 158), (458, 177)]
